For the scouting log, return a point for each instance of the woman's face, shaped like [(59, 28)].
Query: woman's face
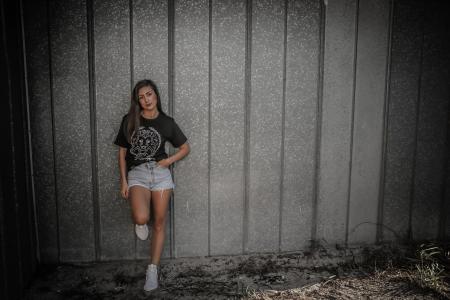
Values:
[(147, 98)]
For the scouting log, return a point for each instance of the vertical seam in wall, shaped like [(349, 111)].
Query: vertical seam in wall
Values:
[(248, 58), (130, 8), (52, 111), (416, 136), (379, 232), (92, 112), (170, 54), (209, 122), (283, 121), (170, 71), (130, 11), (28, 143), (321, 59), (355, 62)]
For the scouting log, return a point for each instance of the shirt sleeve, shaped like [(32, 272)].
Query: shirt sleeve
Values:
[(177, 137), (121, 139)]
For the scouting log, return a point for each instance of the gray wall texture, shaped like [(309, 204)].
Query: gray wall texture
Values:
[(309, 122)]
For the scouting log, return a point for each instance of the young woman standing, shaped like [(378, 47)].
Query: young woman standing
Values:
[(144, 174)]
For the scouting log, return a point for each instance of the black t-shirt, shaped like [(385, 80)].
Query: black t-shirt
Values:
[(148, 142)]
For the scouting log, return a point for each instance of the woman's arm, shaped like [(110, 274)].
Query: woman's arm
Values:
[(123, 172), (183, 150)]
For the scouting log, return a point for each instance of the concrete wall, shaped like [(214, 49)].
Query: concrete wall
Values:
[(308, 122)]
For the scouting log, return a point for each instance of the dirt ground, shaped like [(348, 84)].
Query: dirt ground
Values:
[(363, 272)]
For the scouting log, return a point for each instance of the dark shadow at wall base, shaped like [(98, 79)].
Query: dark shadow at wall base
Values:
[(306, 273)]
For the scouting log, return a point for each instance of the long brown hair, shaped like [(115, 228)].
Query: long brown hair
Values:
[(134, 113)]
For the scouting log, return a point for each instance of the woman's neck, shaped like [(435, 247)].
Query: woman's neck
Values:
[(150, 114)]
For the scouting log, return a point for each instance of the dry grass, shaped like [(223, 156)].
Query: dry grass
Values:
[(425, 274), (432, 268)]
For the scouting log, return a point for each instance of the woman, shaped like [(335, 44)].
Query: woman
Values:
[(143, 164)]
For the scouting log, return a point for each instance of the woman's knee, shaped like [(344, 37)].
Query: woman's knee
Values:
[(159, 224), (140, 218), (139, 200)]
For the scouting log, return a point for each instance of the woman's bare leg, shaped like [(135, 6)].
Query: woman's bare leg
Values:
[(160, 200), (140, 204)]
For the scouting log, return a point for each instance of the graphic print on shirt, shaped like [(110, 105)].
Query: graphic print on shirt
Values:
[(145, 143)]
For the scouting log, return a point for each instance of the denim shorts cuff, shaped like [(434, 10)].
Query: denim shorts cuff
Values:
[(162, 188), (133, 184)]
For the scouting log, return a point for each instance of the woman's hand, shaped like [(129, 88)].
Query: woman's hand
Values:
[(182, 152), (124, 190), (165, 163)]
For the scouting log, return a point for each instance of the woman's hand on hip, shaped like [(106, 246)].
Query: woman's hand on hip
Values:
[(124, 190), (165, 163)]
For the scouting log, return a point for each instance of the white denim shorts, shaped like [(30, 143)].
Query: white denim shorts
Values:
[(151, 176)]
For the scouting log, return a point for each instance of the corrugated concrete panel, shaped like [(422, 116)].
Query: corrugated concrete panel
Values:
[(40, 105), (336, 121), (69, 57), (191, 112), (402, 113), (268, 20), (303, 39), (371, 64), (227, 126), (150, 61), (432, 122), (112, 87)]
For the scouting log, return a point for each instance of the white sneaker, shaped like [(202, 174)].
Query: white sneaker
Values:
[(141, 231), (151, 278)]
